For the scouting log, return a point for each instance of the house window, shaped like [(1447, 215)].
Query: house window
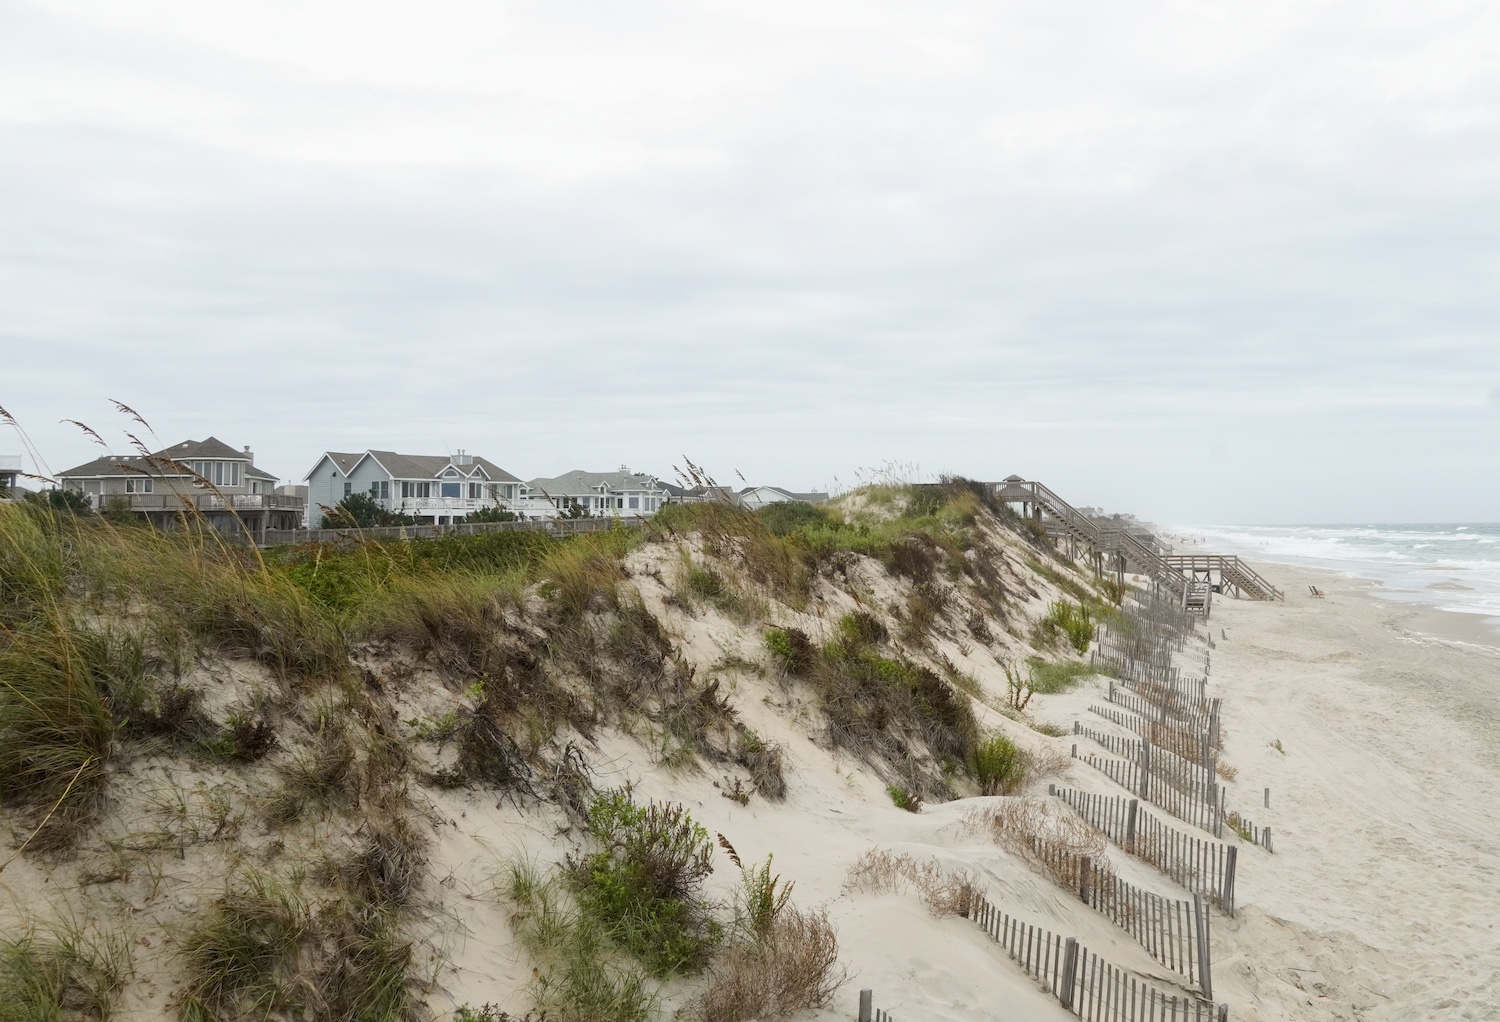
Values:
[(452, 489), (348, 488), (254, 486), (419, 490), (475, 491), (635, 503), (380, 489), (138, 486)]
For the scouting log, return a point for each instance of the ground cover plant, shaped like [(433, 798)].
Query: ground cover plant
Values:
[(643, 881)]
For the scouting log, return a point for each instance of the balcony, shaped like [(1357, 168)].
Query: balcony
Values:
[(440, 505), (203, 502)]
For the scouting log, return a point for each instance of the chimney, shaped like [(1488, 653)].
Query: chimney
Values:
[(461, 458)]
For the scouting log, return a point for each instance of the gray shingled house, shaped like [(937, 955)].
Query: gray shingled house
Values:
[(622, 494), (206, 480)]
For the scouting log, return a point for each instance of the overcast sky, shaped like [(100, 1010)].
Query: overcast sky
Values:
[(1202, 261)]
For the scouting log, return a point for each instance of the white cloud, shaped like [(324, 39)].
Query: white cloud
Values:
[(1088, 241)]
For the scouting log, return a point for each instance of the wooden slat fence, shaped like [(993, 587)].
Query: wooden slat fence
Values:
[(1193, 779), (1085, 984), (1248, 831), (1203, 866), (1190, 712), (867, 1010), (1172, 931), (1185, 807), (1188, 744)]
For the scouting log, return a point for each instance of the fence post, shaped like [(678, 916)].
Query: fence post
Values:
[(1268, 798), (1145, 792), (866, 1005), (1226, 896), (1084, 878), (1052, 789), (1267, 832), (1130, 825), (1069, 973), (1205, 965)]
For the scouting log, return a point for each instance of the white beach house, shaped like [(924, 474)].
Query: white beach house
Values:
[(622, 494), (440, 488)]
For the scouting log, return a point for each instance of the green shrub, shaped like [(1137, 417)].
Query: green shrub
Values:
[(763, 897), (581, 974), (1052, 678), (62, 975), (1072, 620), (791, 649), (56, 727), (999, 765), (239, 956), (860, 628), (644, 881), (788, 516), (902, 798)]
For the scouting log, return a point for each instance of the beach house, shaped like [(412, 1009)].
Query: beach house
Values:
[(755, 497), (10, 471), (440, 489), (206, 480), (622, 494)]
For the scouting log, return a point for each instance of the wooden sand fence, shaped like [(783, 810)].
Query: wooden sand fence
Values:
[(1085, 984), (867, 1010), (1190, 716), (1139, 776), (1205, 867), (1193, 777), (1248, 831), (1175, 932)]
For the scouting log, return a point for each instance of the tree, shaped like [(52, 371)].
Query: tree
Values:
[(70, 501), (360, 511), (490, 514)]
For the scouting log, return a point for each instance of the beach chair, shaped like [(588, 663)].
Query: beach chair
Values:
[(1316, 591)]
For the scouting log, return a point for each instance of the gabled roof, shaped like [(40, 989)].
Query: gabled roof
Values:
[(417, 466), (121, 465), (432, 466), (811, 497), (213, 448), (342, 461), (579, 482)]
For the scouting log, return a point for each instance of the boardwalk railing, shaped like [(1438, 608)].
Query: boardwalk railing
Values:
[(1085, 984), (1203, 866)]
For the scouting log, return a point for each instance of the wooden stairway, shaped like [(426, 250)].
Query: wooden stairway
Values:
[(1136, 554), (1234, 576)]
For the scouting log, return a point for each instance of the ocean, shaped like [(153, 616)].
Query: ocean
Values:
[(1450, 567)]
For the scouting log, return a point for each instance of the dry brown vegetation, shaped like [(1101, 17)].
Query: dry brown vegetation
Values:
[(943, 891), (1055, 843)]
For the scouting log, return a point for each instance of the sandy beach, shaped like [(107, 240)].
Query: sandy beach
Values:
[(1381, 898)]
